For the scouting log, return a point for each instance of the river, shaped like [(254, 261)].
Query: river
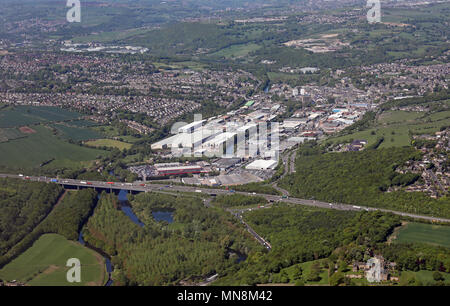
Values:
[(126, 208), (109, 267)]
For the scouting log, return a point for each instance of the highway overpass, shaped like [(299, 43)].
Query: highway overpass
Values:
[(141, 187)]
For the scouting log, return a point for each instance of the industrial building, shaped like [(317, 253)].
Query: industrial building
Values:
[(220, 137), (186, 140), (225, 164), (262, 164), (177, 169), (190, 128)]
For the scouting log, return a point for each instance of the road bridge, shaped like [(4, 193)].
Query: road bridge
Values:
[(138, 187)]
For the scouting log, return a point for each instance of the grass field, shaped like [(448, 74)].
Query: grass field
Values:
[(426, 233), (77, 133), (425, 277), (396, 126), (10, 134), (42, 146), (399, 117), (109, 143), (82, 123), (236, 51), (28, 115), (44, 264)]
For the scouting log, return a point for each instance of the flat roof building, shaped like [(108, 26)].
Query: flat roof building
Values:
[(191, 127), (262, 164), (224, 164)]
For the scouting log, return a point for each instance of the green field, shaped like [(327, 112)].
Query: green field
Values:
[(28, 115), (44, 264), (425, 233), (237, 51), (10, 134), (82, 123), (77, 133), (109, 143), (396, 126), (399, 117), (424, 276), (43, 146)]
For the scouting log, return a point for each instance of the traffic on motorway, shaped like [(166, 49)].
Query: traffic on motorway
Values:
[(147, 187)]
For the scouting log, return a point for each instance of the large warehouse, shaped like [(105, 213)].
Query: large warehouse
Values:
[(262, 164), (177, 169)]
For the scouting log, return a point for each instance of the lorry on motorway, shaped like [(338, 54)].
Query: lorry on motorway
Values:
[(198, 191), (54, 180), (83, 182), (357, 207)]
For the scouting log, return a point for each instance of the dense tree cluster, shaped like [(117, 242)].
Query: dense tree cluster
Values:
[(361, 178), (196, 245), (417, 256), (236, 200), (299, 234), (65, 219), (22, 206)]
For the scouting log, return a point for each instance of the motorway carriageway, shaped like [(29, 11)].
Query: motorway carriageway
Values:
[(140, 187)]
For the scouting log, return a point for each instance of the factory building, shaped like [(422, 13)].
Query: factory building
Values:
[(262, 164), (186, 140), (192, 127), (177, 169)]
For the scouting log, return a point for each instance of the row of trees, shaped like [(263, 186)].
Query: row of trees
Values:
[(22, 206), (65, 219)]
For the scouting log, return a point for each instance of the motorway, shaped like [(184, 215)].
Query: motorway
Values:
[(140, 187)]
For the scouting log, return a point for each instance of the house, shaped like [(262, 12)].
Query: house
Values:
[(359, 143)]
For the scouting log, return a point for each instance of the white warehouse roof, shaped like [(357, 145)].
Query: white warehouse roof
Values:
[(192, 126), (262, 164)]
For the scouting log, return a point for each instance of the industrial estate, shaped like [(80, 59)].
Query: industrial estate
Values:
[(225, 143)]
